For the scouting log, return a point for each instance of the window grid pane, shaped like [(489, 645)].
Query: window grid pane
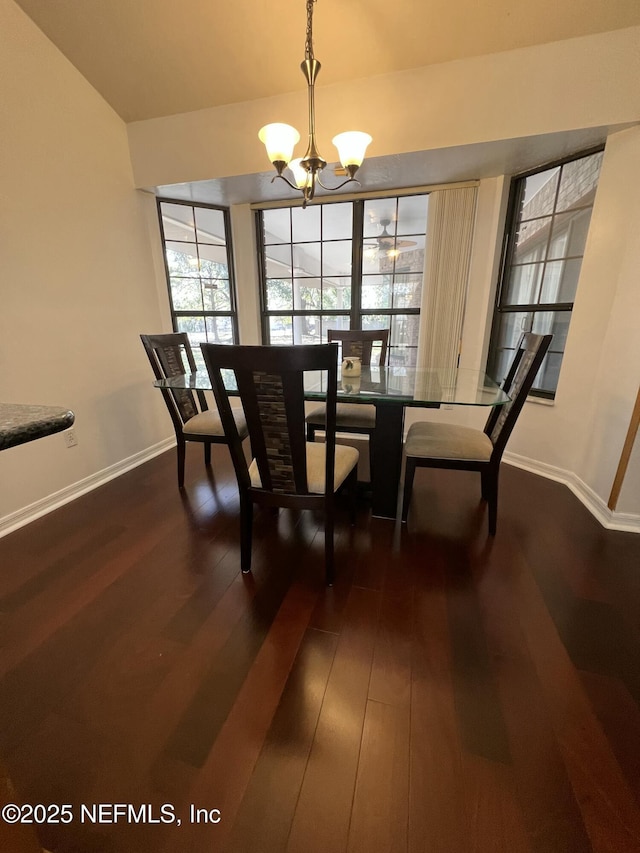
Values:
[(550, 225), (308, 257), (199, 272)]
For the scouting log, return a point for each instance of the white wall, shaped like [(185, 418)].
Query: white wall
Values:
[(77, 283), (612, 263), (578, 83), (245, 262), (583, 432)]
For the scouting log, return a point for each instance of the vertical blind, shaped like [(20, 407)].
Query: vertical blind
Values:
[(449, 239)]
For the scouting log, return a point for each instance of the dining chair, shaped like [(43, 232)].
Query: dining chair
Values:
[(353, 417), (286, 470), (437, 445), (171, 355)]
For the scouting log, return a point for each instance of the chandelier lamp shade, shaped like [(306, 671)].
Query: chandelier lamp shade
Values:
[(280, 139)]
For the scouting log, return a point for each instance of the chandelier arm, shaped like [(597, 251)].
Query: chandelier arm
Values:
[(286, 180), (344, 183)]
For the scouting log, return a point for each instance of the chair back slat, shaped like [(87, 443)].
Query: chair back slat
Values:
[(172, 364), (270, 383), (529, 354), (358, 343), (171, 355), (281, 460)]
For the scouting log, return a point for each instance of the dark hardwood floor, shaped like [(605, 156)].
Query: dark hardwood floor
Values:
[(450, 693)]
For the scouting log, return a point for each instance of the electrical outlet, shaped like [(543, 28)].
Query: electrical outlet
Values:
[(70, 438)]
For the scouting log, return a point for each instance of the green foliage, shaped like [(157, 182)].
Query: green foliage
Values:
[(198, 285)]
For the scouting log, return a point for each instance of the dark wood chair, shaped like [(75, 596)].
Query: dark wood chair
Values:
[(286, 471), (352, 417), (435, 445), (171, 355)]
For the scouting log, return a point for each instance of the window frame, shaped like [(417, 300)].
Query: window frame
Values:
[(513, 222), (232, 313), (356, 312)]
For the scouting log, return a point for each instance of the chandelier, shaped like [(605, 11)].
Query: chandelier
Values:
[(280, 139)]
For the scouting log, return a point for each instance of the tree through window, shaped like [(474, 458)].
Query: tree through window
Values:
[(341, 265), (199, 272)]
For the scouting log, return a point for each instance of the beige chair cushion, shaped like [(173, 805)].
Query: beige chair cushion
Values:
[(346, 461), (347, 415), (446, 441), (209, 423)]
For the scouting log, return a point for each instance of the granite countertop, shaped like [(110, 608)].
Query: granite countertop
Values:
[(20, 423)]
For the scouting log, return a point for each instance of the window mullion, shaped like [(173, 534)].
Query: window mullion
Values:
[(357, 242), (510, 238)]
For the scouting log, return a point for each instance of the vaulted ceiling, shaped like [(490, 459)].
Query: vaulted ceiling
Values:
[(151, 58)]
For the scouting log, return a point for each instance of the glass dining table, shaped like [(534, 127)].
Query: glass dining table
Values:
[(391, 390)]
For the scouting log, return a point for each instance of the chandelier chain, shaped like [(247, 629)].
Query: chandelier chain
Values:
[(280, 139), (308, 48)]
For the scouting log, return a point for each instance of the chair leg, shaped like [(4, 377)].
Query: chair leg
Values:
[(371, 458), (328, 541), (181, 448), (485, 484), (246, 528), (492, 500), (311, 432), (409, 473), (207, 454), (352, 481)]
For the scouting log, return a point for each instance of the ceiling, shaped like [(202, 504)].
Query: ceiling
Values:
[(153, 58)]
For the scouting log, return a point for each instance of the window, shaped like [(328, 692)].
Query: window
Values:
[(197, 253), (547, 225), (341, 265)]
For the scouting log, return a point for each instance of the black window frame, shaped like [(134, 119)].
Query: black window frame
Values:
[(232, 313), (356, 313), (512, 224)]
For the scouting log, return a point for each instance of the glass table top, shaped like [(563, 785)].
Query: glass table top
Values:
[(407, 386)]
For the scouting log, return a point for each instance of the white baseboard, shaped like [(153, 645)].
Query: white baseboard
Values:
[(627, 522), (29, 513)]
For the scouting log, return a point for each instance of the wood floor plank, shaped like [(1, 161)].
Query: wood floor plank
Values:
[(547, 801), (153, 724), (608, 807), (198, 727), (330, 776), (372, 552), (226, 774), (619, 716), (265, 816), (478, 708), (39, 620), (452, 691), (380, 814), (437, 794), (493, 814), (15, 837), (391, 666)]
